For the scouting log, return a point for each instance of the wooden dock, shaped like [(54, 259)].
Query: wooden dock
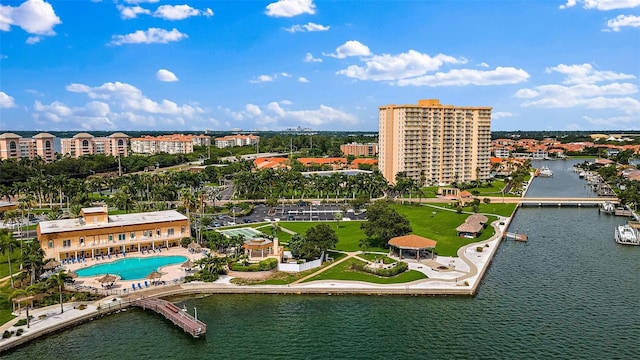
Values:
[(174, 314), (516, 236)]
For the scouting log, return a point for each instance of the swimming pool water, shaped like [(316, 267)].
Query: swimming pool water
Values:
[(131, 268)]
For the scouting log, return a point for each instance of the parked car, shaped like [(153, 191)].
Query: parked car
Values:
[(231, 223), (216, 224)]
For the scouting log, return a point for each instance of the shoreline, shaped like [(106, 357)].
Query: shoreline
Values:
[(49, 320)]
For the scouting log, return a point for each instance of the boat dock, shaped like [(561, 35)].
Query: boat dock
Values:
[(516, 236), (179, 317)]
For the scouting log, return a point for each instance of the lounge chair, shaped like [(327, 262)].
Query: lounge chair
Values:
[(109, 256), (146, 284), (159, 250), (133, 287), (139, 286), (124, 254)]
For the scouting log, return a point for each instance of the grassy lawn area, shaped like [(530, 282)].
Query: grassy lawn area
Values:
[(15, 263), (440, 225), (374, 257), (283, 278), (349, 233), (343, 272), (5, 303)]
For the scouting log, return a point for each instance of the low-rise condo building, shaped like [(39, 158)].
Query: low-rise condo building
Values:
[(86, 144), (357, 149), (13, 146), (236, 140), (170, 144), (96, 233), (434, 143)]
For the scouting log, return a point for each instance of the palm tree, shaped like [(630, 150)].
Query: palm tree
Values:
[(364, 244), (8, 244), (59, 280), (337, 216), (33, 259)]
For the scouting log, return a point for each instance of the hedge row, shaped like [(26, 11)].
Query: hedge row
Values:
[(264, 265)]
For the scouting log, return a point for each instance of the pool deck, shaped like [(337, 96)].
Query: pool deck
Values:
[(171, 274)]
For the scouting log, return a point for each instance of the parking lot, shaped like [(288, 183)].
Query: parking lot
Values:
[(289, 212)]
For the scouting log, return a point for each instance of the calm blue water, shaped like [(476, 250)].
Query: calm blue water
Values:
[(564, 183), (570, 292), (131, 268)]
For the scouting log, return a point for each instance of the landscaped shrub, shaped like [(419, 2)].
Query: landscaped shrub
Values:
[(479, 248), (268, 264), (263, 265), (21, 322), (19, 332), (6, 334), (399, 268)]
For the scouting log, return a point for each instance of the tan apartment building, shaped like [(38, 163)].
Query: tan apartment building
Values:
[(236, 140), (356, 149), (170, 144), (438, 143), (13, 146), (86, 144), (96, 233)]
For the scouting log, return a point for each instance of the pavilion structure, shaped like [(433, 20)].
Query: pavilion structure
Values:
[(260, 247), (413, 246), (472, 226)]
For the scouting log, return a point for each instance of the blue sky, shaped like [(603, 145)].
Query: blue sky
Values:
[(190, 65)]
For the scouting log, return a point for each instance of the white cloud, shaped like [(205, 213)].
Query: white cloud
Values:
[(33, 16), (263, 78), (309, 58), (33, 40), (150, 36), (390, 68), (579, 89), (118, 105), (614, 122), (310, 27), (269, 78), (622, 21), (290, 8), (462, 77), (501, 114), (253, 110), (483, 64), (179, 12), (350, 48), (166, 75), (603, 5), (6, 101), (303, 79), (131, 12), (585, 74)]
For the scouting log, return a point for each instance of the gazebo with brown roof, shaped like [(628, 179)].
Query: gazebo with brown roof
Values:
[(413, 244), (251, 247)]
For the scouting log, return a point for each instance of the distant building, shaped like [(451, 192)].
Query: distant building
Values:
[(86, 144), (96, 233), (335, 163), (12, 146), (170, 144), (236, 140), (438, 143), (356, 149)]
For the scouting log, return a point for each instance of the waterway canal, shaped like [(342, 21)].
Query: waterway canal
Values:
[(569, 293)]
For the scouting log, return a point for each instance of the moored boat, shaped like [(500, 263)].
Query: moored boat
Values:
[(545, 172), (626, 235), (607, 207)]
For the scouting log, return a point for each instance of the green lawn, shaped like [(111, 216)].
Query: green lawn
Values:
[(15, 263), (343, 272), (373, 257), (283, 278), (5, 303), (440, 225), (349, 233)]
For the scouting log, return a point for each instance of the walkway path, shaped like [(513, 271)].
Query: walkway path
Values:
[(349, 256)]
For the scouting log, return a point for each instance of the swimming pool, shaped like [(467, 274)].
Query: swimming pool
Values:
[(131, 268)]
